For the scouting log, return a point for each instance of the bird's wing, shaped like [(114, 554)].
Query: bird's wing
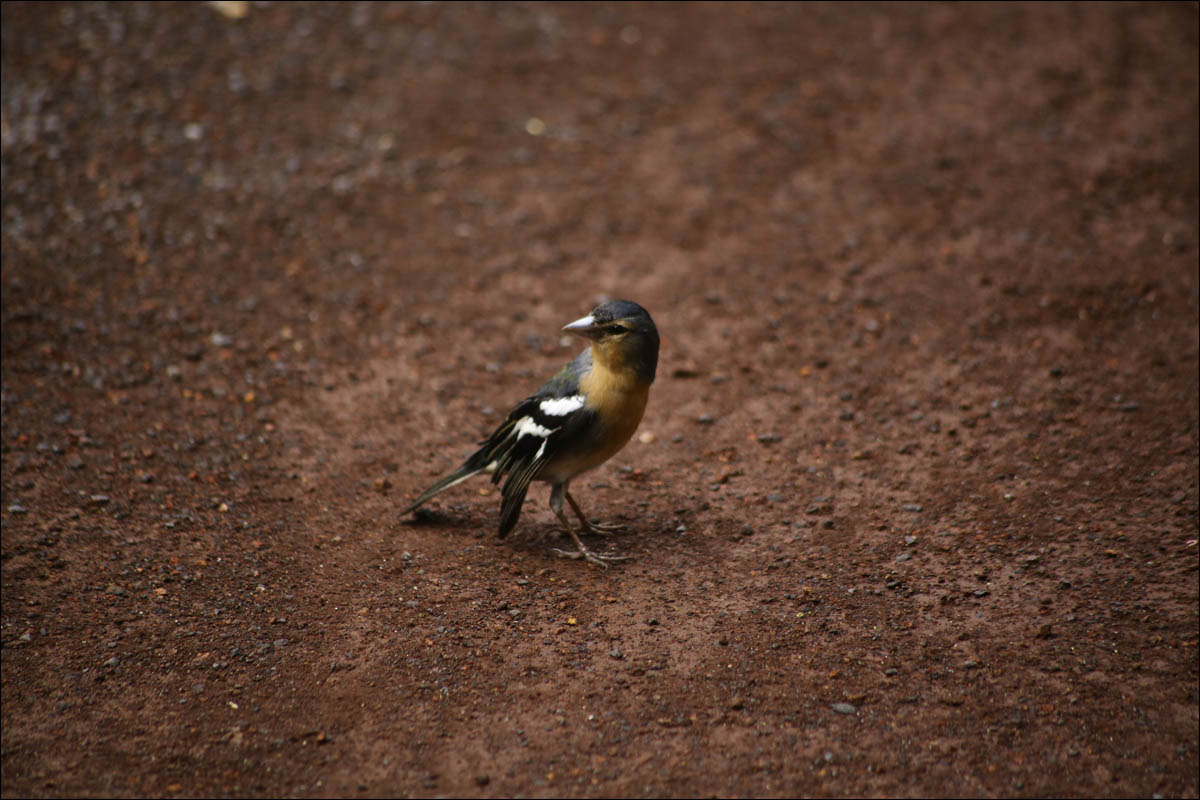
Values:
[(534, 432), (523, 442)]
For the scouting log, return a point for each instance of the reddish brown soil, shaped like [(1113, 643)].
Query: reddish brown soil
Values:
[(914, 505)]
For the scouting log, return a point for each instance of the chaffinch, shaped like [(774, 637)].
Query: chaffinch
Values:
[(578, 420)]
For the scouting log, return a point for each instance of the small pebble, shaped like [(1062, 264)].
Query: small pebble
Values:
[(844, 708), (912, 507)]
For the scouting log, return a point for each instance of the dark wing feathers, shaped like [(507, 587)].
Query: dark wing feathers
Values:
[(523, 445), (531, 434), (514, 496)]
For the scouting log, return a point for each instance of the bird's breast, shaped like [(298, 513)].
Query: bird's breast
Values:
[(617, 403)]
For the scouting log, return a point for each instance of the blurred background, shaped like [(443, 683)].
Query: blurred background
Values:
[(916, 495)]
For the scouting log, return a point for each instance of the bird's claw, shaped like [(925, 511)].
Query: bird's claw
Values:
[(592, 558), (603, 528), (598, 528)]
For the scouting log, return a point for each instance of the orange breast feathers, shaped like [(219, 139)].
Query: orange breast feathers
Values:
[(618, 399)]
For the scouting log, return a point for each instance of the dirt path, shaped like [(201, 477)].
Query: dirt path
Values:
[(914, 503)]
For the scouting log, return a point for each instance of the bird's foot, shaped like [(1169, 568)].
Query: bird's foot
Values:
[(603, 528), (599, 559)]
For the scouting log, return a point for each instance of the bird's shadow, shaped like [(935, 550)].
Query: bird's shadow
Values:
[(431, 518), (531, 537)]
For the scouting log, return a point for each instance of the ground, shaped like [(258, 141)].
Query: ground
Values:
[(913, 509)]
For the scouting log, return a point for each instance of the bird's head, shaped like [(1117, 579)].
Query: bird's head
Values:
[(623, 337)]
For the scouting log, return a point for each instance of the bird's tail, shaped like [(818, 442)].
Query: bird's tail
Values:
[(467, 470)]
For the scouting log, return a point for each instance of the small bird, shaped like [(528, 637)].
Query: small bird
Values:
[(578, 420)]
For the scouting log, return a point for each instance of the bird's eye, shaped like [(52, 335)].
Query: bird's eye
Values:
[(614, 329)]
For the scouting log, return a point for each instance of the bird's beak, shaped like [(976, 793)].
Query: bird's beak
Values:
[(584, 326)]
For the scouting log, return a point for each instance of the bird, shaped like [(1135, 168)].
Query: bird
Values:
[(575, 422)]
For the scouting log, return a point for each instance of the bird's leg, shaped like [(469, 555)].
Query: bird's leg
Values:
[(598, 528), (556, 498)]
